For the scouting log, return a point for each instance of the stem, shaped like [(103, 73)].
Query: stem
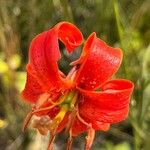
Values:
[(120, 30)]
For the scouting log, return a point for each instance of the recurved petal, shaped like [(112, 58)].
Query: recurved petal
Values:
[(44, 52), (110, 105), (70, 35), (98, 63)]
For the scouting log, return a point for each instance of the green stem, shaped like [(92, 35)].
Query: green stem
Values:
[(120, 30), (117, 17)]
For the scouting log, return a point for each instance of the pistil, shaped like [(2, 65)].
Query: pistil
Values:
[(59, 117)]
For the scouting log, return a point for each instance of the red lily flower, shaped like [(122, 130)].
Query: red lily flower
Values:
[(84, 100)]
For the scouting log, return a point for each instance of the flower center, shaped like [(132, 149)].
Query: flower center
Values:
[(68, 104), (71, 99), (68, 101)]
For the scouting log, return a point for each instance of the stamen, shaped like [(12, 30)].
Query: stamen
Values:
[(44, 109), (60, 100), (90, 138), (52, 102), (27, 120), (41, 124), (42, 130), (72, 117), (30, 115), (70, 140), (51, 141)]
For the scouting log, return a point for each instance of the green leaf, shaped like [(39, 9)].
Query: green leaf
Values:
[(146, 64)]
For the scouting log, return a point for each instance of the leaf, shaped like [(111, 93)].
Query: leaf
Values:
[(146, 64)]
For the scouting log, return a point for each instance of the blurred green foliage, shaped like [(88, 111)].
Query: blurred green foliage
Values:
[(124, 23)]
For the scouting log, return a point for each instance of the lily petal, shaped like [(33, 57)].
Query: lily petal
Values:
[(110, 105), (44, 53), (98, 63), (69, 34), (79, 127), (32, 89)]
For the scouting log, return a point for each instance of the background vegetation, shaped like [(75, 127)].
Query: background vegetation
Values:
[(124, 23)]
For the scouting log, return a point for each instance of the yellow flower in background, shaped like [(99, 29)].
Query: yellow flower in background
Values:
[(3, 123)]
